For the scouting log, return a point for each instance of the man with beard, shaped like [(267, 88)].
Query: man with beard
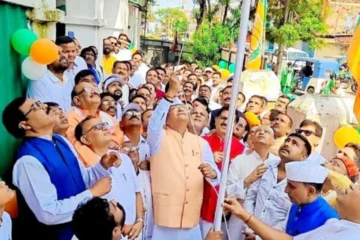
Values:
[(108, 58), (86, 101), (54, 86), (108, 104), (131, 126), (282, 127), (177, 181), (188, 89), (266, 198), (76, 63), (205, 92), (256, 104), (113, 85), (199, 120), (247, 169), (217, 145), (61, 123), (90, 56), (123, 68)]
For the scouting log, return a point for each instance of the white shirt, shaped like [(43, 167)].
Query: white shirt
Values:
[(333, 229), (29, 173), (124, 187), (143, 68), (79, 64), (266, 198), (50, 89), (213, 105), (240, 168), (5, 227), (123, 55), (137, 79), (316, 158), (125, 94)]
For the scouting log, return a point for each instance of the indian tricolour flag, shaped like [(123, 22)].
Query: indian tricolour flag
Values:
[(353, 59), (258, 36)]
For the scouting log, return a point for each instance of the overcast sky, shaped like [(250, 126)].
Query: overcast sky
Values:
[(172, 3)]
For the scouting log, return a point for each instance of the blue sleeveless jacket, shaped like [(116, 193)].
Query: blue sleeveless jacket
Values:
[(64, 171)]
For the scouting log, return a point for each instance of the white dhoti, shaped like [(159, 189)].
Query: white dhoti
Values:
[(165, 233), (235, 229), (205, 227)]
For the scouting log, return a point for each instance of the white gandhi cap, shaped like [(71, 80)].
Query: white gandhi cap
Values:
[(306, 172)]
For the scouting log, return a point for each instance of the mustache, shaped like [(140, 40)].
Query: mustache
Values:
[(113, 108), (227, 99), (134, 117), (286, 148)]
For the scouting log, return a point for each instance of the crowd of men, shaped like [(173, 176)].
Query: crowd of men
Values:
[(125, 151)]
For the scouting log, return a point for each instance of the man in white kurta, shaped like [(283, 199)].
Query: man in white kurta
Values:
[(246, 169), (266, 198)]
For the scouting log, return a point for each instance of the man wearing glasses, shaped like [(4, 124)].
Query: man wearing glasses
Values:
[(312, 131), (49, 179), (126, 190), (86, 101), (131, 125), (108, 104)]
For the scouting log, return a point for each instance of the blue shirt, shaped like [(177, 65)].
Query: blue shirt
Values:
[(308, 217)]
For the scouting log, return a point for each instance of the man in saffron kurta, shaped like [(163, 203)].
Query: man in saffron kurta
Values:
[(180, 160), (309, 210), (217, 145), (86, 100)]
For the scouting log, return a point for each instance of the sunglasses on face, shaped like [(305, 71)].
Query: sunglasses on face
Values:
[(109, 103), (88, 90), (133, 113), (130, 149), (307, 133), (99, 126), (34, 107)]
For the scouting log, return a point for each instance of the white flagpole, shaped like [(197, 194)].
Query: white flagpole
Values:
[(237, 86)]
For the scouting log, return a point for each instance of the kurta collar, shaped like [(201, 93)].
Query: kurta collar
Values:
[(313, 206)]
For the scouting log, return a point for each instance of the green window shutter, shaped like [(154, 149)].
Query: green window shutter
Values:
[(12, 83)]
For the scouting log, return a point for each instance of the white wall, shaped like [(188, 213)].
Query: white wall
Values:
[(93, 20)]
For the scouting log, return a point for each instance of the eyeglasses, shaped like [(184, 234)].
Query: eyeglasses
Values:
[(88, 90), (133, 113), (307, 133), (99, 126), (130, 149), (34, 107), (109, 103)]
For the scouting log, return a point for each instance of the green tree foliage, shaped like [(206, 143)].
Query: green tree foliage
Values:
[(306, 22), (172, 20), (208, 40)]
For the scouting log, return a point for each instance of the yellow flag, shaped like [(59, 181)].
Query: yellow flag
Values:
[(257, 36)]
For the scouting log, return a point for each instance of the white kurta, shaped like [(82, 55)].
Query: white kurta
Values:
[(333, 229), (5, 227), (240, 168)]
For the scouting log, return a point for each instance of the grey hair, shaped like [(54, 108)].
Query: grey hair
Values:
[(266, 128)]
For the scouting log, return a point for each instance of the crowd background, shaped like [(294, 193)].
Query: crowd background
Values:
[(115, 148)]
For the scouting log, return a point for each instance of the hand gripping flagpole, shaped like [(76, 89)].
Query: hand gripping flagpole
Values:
[(237, 86)]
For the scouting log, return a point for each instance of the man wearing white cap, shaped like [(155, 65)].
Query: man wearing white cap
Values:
[(113, 85), (180, 163), (309, 210), (347, 228)]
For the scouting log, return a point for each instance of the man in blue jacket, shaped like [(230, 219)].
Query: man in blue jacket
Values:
[(309, 210)]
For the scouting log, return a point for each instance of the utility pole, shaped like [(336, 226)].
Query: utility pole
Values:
[(281, 46)]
